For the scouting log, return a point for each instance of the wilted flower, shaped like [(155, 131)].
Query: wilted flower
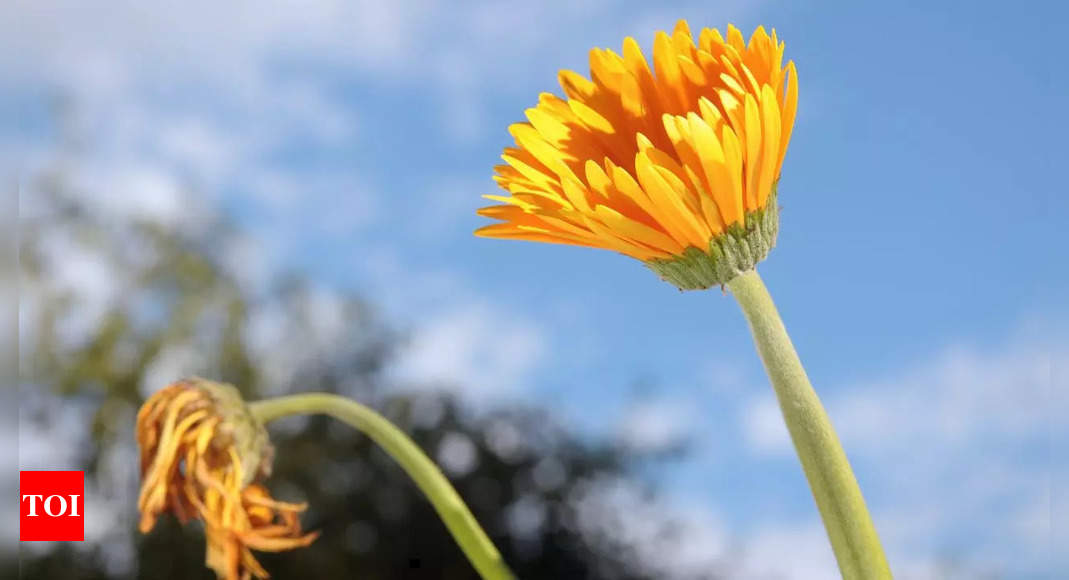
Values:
[(676, 167), (201, 455)]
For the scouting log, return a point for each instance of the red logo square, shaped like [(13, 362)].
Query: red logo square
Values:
[(52, 506)]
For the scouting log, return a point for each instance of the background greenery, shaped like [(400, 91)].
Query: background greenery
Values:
[(548, 499)]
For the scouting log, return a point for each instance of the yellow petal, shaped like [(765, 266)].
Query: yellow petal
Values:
[(752, 142), (648, 157), (790, 107), (770, 135)]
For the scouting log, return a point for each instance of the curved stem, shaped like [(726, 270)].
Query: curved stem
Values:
[(846, 519), (430, 480)]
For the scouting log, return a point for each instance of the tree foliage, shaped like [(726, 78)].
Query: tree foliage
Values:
[(115, 305)]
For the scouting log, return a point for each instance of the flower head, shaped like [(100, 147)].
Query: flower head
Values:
[(675, 166), (202, 452)]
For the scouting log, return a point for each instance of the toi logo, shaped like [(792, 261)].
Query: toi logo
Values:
[(51, 506)]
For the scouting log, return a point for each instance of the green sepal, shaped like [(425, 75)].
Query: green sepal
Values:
[(239, 427), (733, 252)]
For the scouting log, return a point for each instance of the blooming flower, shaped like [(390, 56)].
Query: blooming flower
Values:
[(676, 167), (201, 454)]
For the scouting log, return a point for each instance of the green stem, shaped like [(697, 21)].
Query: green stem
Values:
[(846, 519), (430, 480)]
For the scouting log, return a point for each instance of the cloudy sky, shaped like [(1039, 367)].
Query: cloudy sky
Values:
[(920, 267)]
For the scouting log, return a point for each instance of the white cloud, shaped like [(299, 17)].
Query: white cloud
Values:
[(726, 378), (672, 539), (135, 191), (172, 363), (788, 552), (763, 428), (198, 147), (948, 447), (206, 38), (484, 351), (962, 395), (651, 426), (682, 537), (80, 273), (172, 104), (287, 336)]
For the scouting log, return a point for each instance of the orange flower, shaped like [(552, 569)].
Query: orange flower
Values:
[(201, 452), (654, 163)]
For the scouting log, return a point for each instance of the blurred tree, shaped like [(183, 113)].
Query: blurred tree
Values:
[(117, 303)]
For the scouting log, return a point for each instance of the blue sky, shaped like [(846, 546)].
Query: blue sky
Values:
[(920, 265)]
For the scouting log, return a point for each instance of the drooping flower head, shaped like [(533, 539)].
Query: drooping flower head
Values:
[(675, 166), (202, 453)]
